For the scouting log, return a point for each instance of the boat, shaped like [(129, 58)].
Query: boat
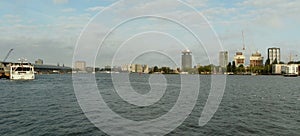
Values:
[(290, 75), (2, 72), (21, 71), (254, 74)]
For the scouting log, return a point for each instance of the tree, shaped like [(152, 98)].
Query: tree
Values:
[(267, 62), (233, 67), (275, 61), (155, 69), (241, 68), (229, 67)]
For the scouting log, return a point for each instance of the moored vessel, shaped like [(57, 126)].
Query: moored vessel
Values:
[(290, 75), (21, 71)]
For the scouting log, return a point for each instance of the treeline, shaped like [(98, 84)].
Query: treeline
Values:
[(163, 70)]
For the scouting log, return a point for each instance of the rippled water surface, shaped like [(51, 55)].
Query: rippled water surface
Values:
[(252, 105)]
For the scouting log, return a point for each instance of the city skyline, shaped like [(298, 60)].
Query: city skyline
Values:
[(50, 29)]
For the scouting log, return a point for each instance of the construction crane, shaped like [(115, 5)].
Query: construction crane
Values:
[(9, 52)]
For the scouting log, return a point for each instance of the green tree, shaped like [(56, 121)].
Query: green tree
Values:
[(268, 67), (229, 68), (241, 69), (267, 62), (155, 69), (275, 61), (233, 67)]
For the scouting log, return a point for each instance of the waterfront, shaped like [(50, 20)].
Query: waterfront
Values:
[(252, 105)]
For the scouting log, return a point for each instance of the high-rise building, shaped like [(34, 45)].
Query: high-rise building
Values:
[(80, 65), (223, 59), (239, 59), (186, 60), (256, 59), (274, 54)]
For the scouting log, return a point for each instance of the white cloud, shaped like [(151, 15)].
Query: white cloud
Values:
[(12, 19), (9, 16), (60, 1), (69, 10), (95, 9), (197, 3)]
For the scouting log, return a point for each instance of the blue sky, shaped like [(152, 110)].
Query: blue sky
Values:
[(49, 29)]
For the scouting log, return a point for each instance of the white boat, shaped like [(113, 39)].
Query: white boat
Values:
[(254, 74), (21, 71)]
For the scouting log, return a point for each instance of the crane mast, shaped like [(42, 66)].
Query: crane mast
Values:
[(9, 52)]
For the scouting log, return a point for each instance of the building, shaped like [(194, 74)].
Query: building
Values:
[(223, 59), (39, 62), (256, 59), (138, 68), (135, 68), (274, 54), (145, 69), (80, 65), (291, 69), (126, 68), (277, 69), (239, 59), (186, 60)]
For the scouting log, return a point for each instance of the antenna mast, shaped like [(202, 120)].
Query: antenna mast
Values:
[(291, 57), (244, 48)]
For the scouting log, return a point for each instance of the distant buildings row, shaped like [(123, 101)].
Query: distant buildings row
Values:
[(141, 68), (256, 59)]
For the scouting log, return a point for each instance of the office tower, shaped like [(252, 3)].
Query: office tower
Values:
[(274, 54), (223, 59), (186, 60)]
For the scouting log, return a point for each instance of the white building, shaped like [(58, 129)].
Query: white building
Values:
[(274, 54), (292, 69), (145, 69), (239, 59), (126, 67), (80, 65), (223, 59), (135, 68), (186, 60), (278, 68)]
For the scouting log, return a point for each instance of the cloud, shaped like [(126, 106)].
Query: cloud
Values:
[(95, 9), (60, 1), (12, 19), (69, 10), (196, 3), (9, 16)]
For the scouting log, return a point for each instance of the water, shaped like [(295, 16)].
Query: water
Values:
[(252, 105)]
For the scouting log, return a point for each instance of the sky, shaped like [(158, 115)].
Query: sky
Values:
[(116, 32)]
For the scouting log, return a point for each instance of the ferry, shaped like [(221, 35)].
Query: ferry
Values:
[(21, 71)]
